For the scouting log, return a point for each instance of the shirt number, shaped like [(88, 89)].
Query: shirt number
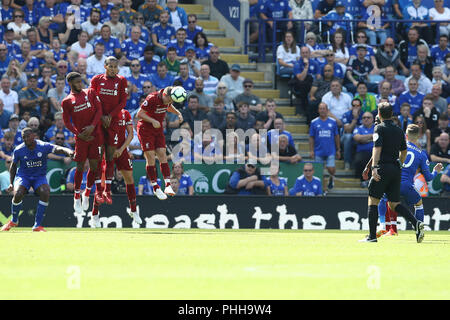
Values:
[(410, 161)]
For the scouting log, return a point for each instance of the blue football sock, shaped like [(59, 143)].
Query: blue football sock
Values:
[(15, 209), (382, 210), (419, 213), (42, 206)]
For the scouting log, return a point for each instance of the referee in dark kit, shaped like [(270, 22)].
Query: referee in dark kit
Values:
[(389, 144)]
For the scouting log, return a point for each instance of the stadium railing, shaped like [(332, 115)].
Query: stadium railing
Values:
[(263, 43)]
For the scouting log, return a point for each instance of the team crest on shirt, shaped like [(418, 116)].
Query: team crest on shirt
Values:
[(375, 137), (314, 187), (329, 125), (39, 154), (102, 84)]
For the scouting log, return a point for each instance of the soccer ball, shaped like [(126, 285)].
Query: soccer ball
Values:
[(178, 94)]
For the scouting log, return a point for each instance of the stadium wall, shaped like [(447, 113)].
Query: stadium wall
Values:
[(225, 212)]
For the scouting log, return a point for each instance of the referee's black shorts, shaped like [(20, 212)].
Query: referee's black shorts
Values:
[(389, 183)]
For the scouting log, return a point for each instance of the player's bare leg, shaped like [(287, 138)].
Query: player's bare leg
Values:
[(109, 173), (131, 193), (44, 196), (165, 170), (151, 174), (16, 206)]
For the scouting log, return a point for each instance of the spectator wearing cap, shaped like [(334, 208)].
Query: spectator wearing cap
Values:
[(13, 127), (93, 25), (96, 62), (162, 34), (187, 81), (118, 28), (8, 96), (31, 96), (192, 28), (358, 70), (192, 61), (210, 82), (218, 67), (361, 40), (148, 61), (4, 116), (59, 127), (338, 14), (4, 59), (134, 47), (234, 81), (162, 78), (254, 102)]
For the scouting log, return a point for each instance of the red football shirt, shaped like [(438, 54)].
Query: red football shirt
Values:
[(81, 110), (154, 108), (112, 92), (124, 120)]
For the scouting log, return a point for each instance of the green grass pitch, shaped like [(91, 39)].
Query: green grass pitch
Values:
[(221, 264)]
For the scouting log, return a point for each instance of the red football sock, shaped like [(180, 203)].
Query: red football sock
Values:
[(95, 209), (131, 192), (394, 221), (90, 179), (165, 170), (98, 178), (151, 173), (109, 170), (78, 179), (388, 218)]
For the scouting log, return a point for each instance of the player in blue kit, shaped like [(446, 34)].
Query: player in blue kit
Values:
[(32, 157)]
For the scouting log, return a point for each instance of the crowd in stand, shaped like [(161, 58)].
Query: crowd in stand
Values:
[(158, 45)]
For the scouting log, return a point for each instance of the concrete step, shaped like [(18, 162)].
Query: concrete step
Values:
[(214, 32), (286, 111), (255, 76), (346, 183), (229, 50), (263, 84), (297, 128), (301, 137), (193, 8), (302, 146), (234, 58), (345, 173), (348, 192), (294, 120), (208, 24), (266, 93), (222, 42)]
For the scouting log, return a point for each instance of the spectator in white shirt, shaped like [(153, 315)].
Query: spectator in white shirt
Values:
[(93, 25), (425, 84), (234, 81), (209, 82), (440, 13), (337, 101), (9, 97), (18, 25), (96, 62), (287, 53), (57, 94), (82, 46)]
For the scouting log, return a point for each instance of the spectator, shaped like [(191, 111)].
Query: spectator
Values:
[(57, 51), (37, 47), (192, 113), (424, 134), (445, 180), (192, 29), (145, 186), (279, 130), (424, 83), (28, 63), (104, 6), (397, 86), (148, 62), (7, 11), (411, 96), (440, 13), (44, 33), (124, 65), (7, 146), (138, 21), (339, 48), (246, 180), (118, 28), (373, 31), (134, 47), (245, 120), (351, 119), (185, 185), (210, 82), (5, 178), (287, 54), (358, 70), (205, 101), (230, 123), (428, 112), (368, 100), (339, 69), (71, 179), (386, 94), (161, 79), (274, 184), (234, 82), (45, 81), (192, 61), (441, 128), (417, 12), (269, 115), (233, 150), (13, 127), (50, 135), (276, 10), (162, 34), (178, 17), (187, 81), (61, 71), (247, 96), (151, 12), (363, 137), (440, 151), (361, 41), (342, 18), (4, 116), (286, 152), (218, 67), (446, 69), (134, 148), (59, 141), (318, 89), (424, 61), (439, 51), (307, 184), (323, 7), (82, 69), (202, 46), (93, 25), (180, 43), (173, 65), (31, 96), (57, 94), (46, 118), (82, 46), (118, 185), (9, 97), (217, 115), (408, 50), (18, 25), (387, 55), (324, 143), (317, 50), (405, 118), (337, 102), (4, 59), (443, 86), (111, 44), (137, 79), (96, 62), (302, 9)]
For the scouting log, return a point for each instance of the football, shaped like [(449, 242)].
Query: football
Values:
[(178, 94)]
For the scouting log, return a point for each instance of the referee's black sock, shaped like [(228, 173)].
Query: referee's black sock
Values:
[(372, 214), (404, 212)]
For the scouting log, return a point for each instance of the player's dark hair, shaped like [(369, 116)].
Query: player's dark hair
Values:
[(385, 110), (27, 130), (72, 76)]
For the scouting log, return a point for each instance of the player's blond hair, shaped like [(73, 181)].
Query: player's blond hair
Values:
[(413, 132)]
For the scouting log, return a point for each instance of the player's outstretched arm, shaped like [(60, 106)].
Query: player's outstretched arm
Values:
[(63, 150), (174, 110), (143, 116)]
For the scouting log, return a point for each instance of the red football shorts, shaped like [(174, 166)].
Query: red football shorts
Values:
[(151, 139), (91, 150), (124, 162), (111, 135)]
